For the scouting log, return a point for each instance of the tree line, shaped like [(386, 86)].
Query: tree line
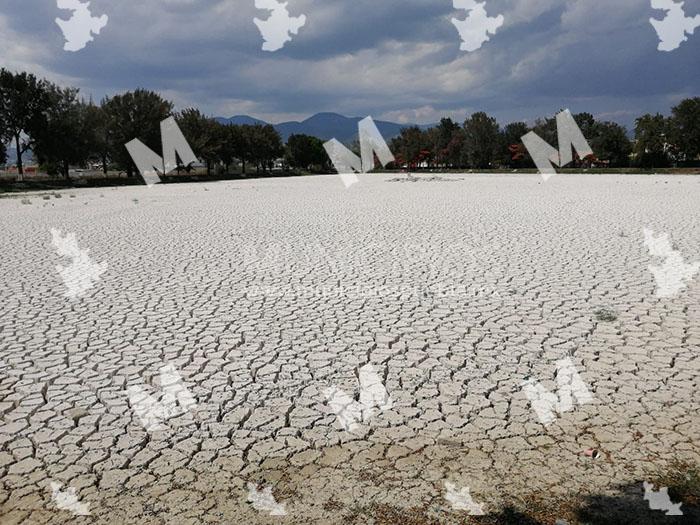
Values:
[(64, 130), (481, 143)]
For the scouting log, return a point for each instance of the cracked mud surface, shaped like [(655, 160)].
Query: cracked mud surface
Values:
[(263, 293)]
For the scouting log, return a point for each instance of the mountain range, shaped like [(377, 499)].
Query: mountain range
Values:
[(324, 126)]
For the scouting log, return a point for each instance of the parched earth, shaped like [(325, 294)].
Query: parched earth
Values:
[(262, 294)]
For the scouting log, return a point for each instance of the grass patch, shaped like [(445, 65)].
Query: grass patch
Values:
[(626, 507), (683, 482), (605, 315), (528, 511)]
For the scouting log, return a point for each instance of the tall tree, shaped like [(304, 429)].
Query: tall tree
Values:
[(442, 138), (64, 138), (97, 126), (265, 145), (3, 137), (609, 142), (652, 149), (586, 123), (134, 115), (685, 128), (481, 143), (228, 144), (546, 128), (408, 146), (306, 152), (23, 102), (513, 151), (203, 135), (243, 137)]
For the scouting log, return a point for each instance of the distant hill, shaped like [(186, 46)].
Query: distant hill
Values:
[(324, 126), (240, 120)]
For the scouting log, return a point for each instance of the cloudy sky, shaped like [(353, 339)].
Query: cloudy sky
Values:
[(392, 59)]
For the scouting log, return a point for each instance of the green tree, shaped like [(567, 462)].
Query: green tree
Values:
[(685, 128), (513, 152), (609, 142), (228, 144), (243, 137), (97, 126), (586, 123), (64, 138), (482, 139), (203, 134), (548, 130), (442, 139), (651, 136), (265, 145), (3, 138), (134, 115), (453, 153), (408, 147), (23, 102), (307, 153)]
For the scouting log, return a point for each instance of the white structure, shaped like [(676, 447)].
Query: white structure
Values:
[(80, 27), (347, 163), (150, 163), (660, 500), (264, 501), (278, 28), (476, 28), (547, 404), (176, 400), (67, 500), (462, 500), (672, 29), (83, 273), (373, 399), (674, 275), (545, 156)]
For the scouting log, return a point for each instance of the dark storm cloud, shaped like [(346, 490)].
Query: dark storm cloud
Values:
[(395, 59)]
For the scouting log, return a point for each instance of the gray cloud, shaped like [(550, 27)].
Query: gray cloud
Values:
[(395, 59)]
